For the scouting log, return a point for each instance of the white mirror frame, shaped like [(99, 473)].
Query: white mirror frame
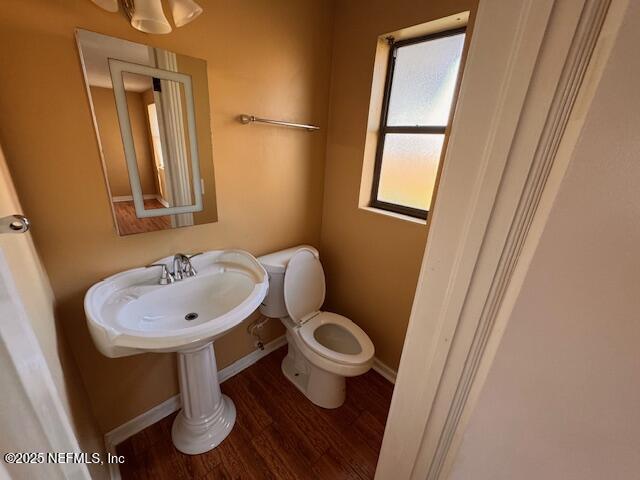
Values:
[(117, 68)]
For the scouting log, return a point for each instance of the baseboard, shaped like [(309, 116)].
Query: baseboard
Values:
[(166, 408), (129, 198), (385, 370), (245, 362), (114, 469), (142, 421)]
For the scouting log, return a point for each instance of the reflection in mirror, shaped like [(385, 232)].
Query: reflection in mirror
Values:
[(181, 195), (171, 93), (151, 115)]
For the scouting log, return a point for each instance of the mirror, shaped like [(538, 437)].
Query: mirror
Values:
[(151, 115)]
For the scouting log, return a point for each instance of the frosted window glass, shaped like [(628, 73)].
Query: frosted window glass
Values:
[(409, 168), (424, 79)]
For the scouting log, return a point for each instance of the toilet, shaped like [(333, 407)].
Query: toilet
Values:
[(323, 347)]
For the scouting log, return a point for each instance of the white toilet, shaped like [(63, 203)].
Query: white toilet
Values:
[(324, 347)]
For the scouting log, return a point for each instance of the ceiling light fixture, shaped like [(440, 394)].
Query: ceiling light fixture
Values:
[(148, 15), (184, 11)]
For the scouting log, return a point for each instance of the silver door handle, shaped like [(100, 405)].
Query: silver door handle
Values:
[(14, 224)]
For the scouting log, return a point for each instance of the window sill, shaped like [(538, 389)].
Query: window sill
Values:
[(398, 216)]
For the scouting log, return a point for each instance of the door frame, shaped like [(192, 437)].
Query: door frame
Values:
[(31, 368), (25, 355), (511, 141)]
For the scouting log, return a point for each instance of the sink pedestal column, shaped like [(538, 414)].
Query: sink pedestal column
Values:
[(207, 416)]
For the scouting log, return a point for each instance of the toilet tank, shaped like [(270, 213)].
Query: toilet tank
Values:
[(276, 264)]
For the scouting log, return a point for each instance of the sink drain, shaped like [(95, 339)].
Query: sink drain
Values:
[(191, 316)]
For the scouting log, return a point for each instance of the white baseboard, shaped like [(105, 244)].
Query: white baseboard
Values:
[(384, 370), (114, 469), (245, 362), (142, 421), (129, 198), (166, 408)]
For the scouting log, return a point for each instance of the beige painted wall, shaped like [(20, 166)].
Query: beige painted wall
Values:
[(561, 399), (36, 294), (264, 57), (107, 117), (372, 260)]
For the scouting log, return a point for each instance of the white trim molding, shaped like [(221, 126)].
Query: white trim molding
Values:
[(571, 78), (173, 404), (384, 370), (136, 425), (129, 198), (248, 360), (527, 63), (49, 427)]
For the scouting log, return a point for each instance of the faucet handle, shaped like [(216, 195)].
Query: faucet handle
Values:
[(189, 270), (165, 276)]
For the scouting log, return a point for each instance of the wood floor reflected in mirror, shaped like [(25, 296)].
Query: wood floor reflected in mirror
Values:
[(128, 223)]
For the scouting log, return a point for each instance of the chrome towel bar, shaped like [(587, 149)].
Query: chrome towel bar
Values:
[(245, 119), (14, 224)]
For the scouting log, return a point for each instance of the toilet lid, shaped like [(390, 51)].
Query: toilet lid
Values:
[(304, 286)]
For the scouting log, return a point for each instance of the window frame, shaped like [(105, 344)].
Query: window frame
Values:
[(385, 129)]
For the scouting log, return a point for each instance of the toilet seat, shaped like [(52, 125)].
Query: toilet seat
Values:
[(333, 337), (344, 338)]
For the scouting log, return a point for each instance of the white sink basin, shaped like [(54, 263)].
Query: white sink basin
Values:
[(130, 313)]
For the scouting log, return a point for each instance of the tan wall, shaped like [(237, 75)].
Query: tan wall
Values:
[(561, 399), (264, 57), (36, 294), (111, 139), (372, 260)]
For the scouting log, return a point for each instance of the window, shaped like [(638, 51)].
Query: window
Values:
[(421, 81)]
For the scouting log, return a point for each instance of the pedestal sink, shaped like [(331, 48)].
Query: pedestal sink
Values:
[(130, 313)]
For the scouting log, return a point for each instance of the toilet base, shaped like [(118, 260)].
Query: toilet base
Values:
[(325, 389)]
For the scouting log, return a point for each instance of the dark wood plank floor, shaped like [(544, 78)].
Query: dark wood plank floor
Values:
[(128, 223), (278, 434)]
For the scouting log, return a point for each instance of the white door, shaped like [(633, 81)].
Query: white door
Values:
[(32, 414)]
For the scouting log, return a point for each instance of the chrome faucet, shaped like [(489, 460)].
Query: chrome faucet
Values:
[(182, 268), (166, 277), (179, 261)]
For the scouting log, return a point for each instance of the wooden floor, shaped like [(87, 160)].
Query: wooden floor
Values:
[(278, 434), (128, 223)]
